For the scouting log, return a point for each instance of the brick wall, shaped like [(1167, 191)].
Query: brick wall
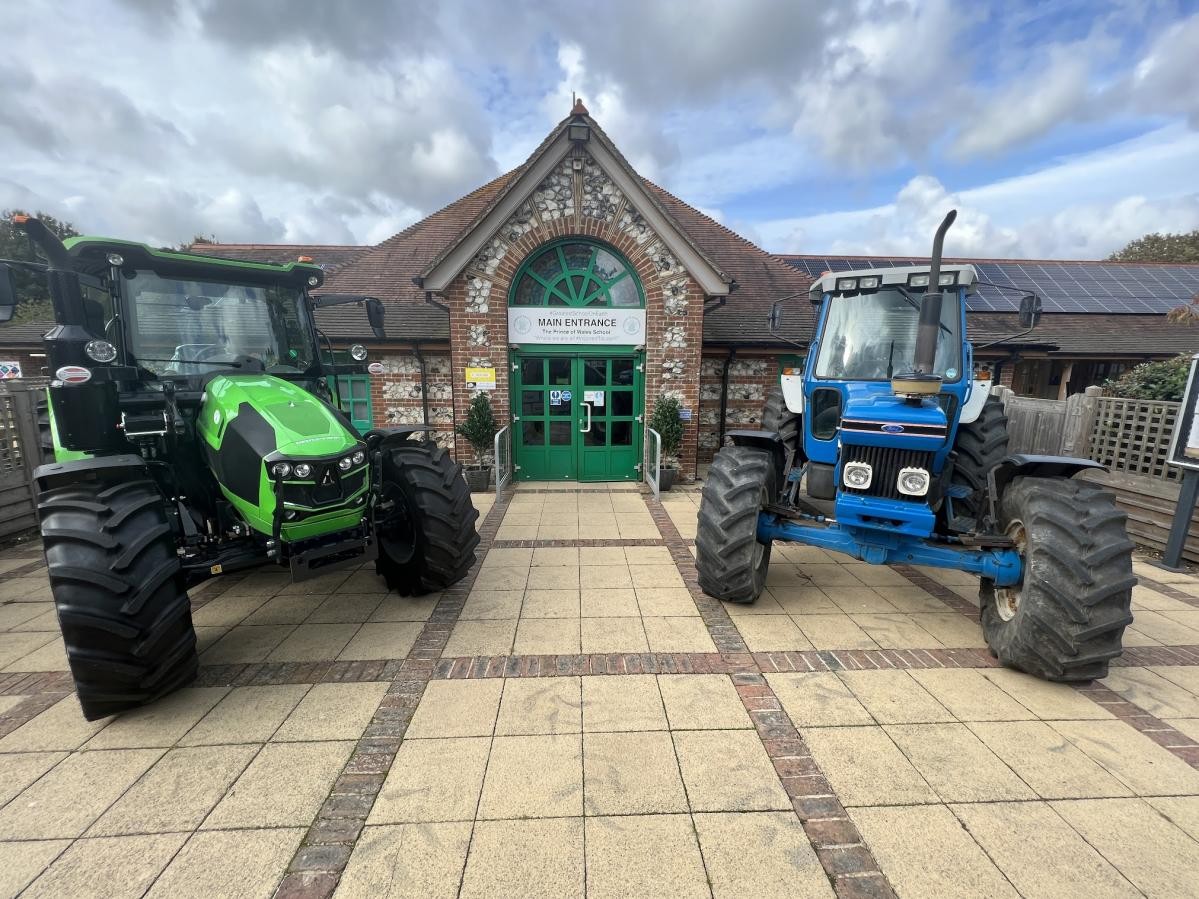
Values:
[(582, 203), (750, 377), (397, 395)]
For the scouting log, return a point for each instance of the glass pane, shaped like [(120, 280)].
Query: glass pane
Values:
[(595, 372), (577, 256), (532, 371), (560, 433), (622, 372), (563, 406), (560, 371), (360, 411), (624, 293), (547, 266), (579, 283), (622, 402), (622, 433), (607, 266), (529, 293), (596, 436), (555, 299), (533, 433), (533, 402)]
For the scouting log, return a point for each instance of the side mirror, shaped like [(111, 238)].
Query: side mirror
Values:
[(8, 293), (374, 315), (1030, 311), (775, 320)]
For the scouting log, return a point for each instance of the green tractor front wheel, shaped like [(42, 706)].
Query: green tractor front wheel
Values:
[(425, 520), (119, 592)]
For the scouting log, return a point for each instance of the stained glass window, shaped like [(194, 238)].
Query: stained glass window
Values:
[(577, 273)]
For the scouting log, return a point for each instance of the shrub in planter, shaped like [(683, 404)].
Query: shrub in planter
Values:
[(479, 430), (668, 422)]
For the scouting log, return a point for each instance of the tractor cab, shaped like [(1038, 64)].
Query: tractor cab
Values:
[(877, 441)]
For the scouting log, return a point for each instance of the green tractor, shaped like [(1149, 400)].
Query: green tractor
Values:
[(191, 429)]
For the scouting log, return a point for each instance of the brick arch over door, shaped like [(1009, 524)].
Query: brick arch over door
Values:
[(674, 301)]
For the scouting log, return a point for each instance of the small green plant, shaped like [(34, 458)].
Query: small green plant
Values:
[(479, 427), (668, 422), (1164, 380)]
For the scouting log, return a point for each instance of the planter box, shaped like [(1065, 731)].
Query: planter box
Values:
[(477, 479), (667, 477)]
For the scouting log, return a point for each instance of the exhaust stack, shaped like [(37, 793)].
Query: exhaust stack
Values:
[(921, 380)]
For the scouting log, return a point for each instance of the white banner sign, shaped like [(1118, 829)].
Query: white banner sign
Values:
[(560, 324)]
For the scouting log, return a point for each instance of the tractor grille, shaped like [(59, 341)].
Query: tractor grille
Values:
[(886, 463), (329, 486)]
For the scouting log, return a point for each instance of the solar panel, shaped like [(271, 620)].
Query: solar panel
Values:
[(1062, 286)]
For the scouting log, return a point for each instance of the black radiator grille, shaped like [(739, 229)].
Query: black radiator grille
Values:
[(886, 463)]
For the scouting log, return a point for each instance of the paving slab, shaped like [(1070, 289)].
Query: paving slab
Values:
[(728, 770), (246, 715), (62, 726), (865, 767), (465, 708), (243, 863), (643, 855), (433, 780), (702, 702), (818, 699), (957, 764), (534, 858), (533, 777), (631, 773), (761, 854), (1047, 760), (108, 866), (22, 862), (407, 861), (622, 703)]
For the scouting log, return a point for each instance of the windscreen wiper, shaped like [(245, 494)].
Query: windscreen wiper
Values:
[(915, 304)]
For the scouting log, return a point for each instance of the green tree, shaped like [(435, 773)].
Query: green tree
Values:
[(479, 427), (33, 298), (1153, 380), (1160, 248), (668, 422)]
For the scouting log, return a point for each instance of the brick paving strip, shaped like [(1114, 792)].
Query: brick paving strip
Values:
[(319, 863), (851, 867), (1169, 590)]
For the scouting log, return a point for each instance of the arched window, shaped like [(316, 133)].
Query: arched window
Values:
[(576, 272)]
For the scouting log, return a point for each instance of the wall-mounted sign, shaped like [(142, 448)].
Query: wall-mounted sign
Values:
[(1184, 445), (480, 378), (10, 370), (595, 397), (560, 324)]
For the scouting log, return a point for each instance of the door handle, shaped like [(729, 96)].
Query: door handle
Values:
[(587, 429)]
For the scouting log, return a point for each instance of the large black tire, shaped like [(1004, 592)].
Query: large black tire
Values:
[(121, 599), (427, 539), (731, 562), (1066, 620), (787, 424), (980, 446)]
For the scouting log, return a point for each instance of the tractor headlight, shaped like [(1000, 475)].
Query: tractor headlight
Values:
[(870, 283), (857, 475), (281, 469), (358, 352), (100, 350), (303, 470), (313, 280), (913, 481), (359, 457), (345, 464)]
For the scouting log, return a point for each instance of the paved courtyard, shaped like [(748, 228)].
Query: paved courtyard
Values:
[(576, 718)]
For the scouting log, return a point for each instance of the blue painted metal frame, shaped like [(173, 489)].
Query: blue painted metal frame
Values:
[(1003, 566)]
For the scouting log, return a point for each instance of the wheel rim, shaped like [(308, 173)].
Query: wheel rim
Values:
[(1007, 599), (396, 526)]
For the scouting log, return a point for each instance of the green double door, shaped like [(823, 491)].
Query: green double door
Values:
[(577, 415)]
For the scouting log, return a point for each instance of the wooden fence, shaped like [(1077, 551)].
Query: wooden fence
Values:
[(18, 458), (1130, 437)]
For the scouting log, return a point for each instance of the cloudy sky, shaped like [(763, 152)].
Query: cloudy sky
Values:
[(1059, 128)]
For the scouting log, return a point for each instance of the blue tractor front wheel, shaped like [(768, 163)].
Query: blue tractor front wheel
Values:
[(731, 560), (1065, 620)]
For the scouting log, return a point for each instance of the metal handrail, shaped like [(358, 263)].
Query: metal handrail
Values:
[(651, 472), (503, 469)]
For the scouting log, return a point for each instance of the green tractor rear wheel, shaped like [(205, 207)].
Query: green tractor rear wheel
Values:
[(426, 523), (1066, 619), (120, 596), (731, 561)]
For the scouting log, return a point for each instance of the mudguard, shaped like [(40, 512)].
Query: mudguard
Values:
[(769, 441), (55, 473), (1024, 465)]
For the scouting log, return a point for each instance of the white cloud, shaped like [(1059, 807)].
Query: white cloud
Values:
[(1082, 208)]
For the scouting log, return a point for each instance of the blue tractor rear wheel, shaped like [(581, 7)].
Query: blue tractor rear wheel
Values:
[(731, 561)]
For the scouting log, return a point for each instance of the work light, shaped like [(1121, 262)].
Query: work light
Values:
[(358, 352), (857, 475), (912, 481), (281, 469), (303, 470), (100, 351), (345, 464)]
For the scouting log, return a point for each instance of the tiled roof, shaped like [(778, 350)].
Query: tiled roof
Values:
[(1089, 334)]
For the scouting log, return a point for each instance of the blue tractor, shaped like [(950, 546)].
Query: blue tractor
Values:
[(887, 448)]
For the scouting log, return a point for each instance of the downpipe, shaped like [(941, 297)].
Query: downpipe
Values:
[(1003, 566)]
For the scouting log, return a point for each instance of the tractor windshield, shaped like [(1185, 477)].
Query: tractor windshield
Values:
[(870, 336), (185, 327)]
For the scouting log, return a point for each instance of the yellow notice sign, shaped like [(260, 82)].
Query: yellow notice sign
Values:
[(480, 379)]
